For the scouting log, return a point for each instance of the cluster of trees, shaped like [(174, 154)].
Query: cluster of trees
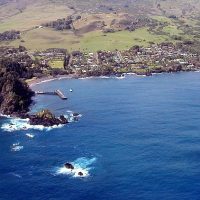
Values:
[(22, 71), (60, 24), (15, 95), (17, 59), (132, 23), (9, 35)]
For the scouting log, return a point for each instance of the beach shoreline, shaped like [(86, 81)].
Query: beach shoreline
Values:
[(36, 81)]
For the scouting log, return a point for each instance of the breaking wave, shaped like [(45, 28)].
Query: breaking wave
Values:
[(103, 77), (16, 147), (30, 135), (16, 175), (17, 124), (82, 165)]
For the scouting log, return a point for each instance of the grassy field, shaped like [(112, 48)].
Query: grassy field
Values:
[(119, 40), (33, 15), (56, 64), (173, 27), (172, 30), (44, 38), (162, 19)]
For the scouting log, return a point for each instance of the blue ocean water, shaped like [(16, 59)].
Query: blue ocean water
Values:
[(138, 138)]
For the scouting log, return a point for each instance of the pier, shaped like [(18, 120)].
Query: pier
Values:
[(60, 94), (56, 92)]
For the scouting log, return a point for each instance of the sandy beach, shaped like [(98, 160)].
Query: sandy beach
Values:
[(35, 81)]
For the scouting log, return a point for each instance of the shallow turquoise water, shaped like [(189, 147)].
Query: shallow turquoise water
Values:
[(138, 138)]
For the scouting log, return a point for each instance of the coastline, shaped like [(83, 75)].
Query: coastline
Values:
[(36, 81)]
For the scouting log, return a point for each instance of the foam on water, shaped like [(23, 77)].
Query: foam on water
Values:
[(17, 124), (16, 147), (80, 165), (46, 81), (70, 116), (83, 78), (130, 73), (16, 175), (104, 77), (30, 135), (120, 77)]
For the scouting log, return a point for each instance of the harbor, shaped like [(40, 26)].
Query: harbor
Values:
[(56, 92)]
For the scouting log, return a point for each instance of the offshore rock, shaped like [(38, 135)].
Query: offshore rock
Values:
[(69, 166), (46, 118), (80, 173)]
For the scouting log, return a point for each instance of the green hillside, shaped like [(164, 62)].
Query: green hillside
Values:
[(176, 20)]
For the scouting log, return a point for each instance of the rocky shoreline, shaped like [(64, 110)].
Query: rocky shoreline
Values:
[(47, 118), (33, 82)]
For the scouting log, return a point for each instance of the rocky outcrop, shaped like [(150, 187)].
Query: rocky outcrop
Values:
[(69, 166), (15, 95), (80, 173), (46, 118)]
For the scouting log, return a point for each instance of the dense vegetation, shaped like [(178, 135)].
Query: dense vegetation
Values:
[(60, 24), (15, 95), (9, 35)]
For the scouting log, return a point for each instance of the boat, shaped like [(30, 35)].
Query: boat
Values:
[(71, 90)]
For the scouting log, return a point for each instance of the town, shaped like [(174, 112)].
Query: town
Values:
[(157, 58)]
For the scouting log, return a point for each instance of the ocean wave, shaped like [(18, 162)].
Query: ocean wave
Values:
[(45, 81), (16, 147), (71, 117), (17, 124), (30, 135), (5, 116), (83, 78), (141, 75), (16, 175), (103, 77), (130, 73), (82, 165), (120, 77)]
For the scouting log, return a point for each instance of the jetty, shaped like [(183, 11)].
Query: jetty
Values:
[(60, 94), (56, 92)]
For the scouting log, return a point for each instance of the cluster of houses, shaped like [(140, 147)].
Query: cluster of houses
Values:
[(50, 54), (19, 55), (165, 57), (157, 58)]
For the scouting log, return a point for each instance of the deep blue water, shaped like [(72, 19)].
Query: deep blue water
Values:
[(144, 133)]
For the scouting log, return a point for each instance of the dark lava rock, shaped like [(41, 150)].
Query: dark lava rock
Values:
[(148, 74), (75, 114), (46, 118), (69, 166), (80, 173), (63, 119)]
